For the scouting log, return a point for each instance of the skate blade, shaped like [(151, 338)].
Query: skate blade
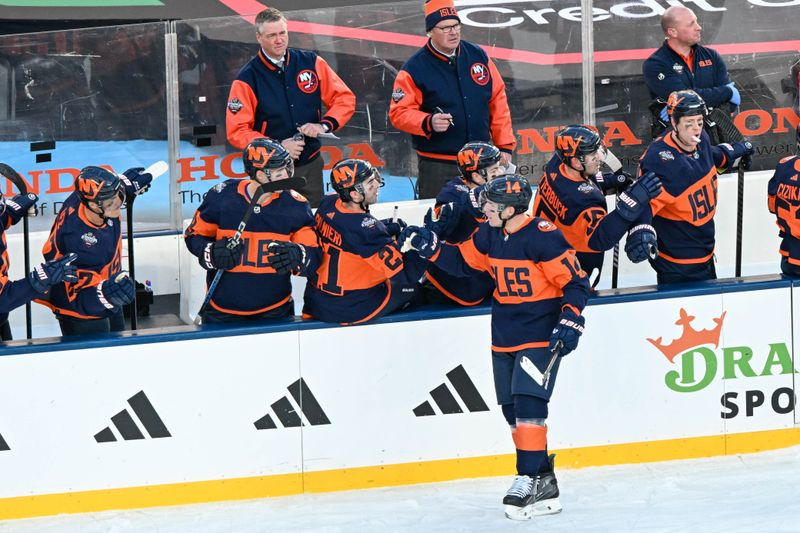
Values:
[(542, 508)]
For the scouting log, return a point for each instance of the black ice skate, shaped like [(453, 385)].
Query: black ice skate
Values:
[(533, 496)]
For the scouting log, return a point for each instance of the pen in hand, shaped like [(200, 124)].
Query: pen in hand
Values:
[(439, 110)]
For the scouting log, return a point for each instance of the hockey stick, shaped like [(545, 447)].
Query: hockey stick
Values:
[(156, 169), (731, 134), (272, 186), (14, 177), (613, 162), (551, 363)]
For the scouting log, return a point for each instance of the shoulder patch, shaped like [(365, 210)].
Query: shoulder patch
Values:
[(369, 222), (479, 73), (666, 155), (787, 158), (89, 239), (218, 187), (585, 187), (235, 105), (661, 76), (297, 196), (398, 95), (461, 188), (546, 225)]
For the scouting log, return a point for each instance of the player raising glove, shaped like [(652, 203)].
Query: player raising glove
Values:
[(116, 291), (223, 254), (50, 273), (741, 149), (394, 227), (442, 219), (568, 330), (136, 181), (19, 205), (641, 243), (632, 202), (424, 241), (287, 257)]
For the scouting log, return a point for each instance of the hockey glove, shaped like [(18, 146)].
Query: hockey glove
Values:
[(641, 243), (632, 202), (568, 330), (441, 219), (21, 204), (613, 182), (394, 227), (736, 98), (424, 241), (117, 291), (221, 255), (135, 181), (53, 272), (286, 257), (745, 151)]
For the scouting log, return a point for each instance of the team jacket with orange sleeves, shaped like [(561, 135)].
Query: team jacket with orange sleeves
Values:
[(359, 262), (268, 101), (783, 197), (578, 208), (479, 285), (468, 86), (12, 293), (683, 214), (536, 274), (252, 287), (99, 250)]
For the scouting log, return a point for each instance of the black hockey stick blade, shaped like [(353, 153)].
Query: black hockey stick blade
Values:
[(725, 126), (284, 185), (14, 177)]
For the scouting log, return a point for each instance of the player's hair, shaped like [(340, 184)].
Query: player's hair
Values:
[(268, 15)]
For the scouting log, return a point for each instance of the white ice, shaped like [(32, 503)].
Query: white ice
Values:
[(748, 493)]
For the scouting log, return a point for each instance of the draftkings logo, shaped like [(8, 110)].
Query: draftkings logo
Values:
[(698, 365), (446, 401)]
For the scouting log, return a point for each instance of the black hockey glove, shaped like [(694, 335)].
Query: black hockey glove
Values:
[(745, 151), (632, 202), (614, 182), (19, 205), (568, 330), (117, 291), (53, 272), (221, 255), (641, 243), (286, 257), (442, 219), (394, 227), (424, 241), (135, 181)]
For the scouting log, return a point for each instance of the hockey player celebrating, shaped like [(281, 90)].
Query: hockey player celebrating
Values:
[(783, 197), (536, 316), (88, 225), (363, 275), (478, 163), (571, 195), (14, 294), (683, 213), (253, 287)]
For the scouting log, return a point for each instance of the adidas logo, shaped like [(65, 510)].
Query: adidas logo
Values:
[(445, 400), (3, 446), (288, 412), (126, 425)]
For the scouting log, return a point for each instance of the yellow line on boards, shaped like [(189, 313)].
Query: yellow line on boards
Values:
[(385, 475)]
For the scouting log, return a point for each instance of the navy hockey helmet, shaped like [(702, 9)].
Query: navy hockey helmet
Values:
[(508, 190), (577, 140), (350, 174), (686, 103), (266, 155), (476, 156), (96, 184)]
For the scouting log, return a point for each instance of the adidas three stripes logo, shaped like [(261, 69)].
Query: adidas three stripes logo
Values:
[(288, 413), (447, 403), (3, 446), (126, 425)]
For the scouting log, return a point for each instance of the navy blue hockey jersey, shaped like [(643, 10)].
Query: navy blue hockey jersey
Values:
[(12, 293), (783, 197)]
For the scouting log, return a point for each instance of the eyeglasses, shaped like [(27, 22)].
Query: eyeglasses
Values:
[(449, 29)]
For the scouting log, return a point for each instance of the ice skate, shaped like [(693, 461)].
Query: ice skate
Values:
[(533, 496)]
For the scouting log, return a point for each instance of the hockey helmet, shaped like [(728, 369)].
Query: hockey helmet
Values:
[(266, 155), (476, 156), (686, 103), (96, 184), (577, 140), (350, 174), (508, 190)]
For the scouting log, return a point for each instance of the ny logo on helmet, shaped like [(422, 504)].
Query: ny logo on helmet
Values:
[(568, 145), (88, 188), (344, 176), (258, 155), (469, 159)]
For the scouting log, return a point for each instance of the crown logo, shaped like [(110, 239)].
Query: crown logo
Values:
[(690, 337)]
